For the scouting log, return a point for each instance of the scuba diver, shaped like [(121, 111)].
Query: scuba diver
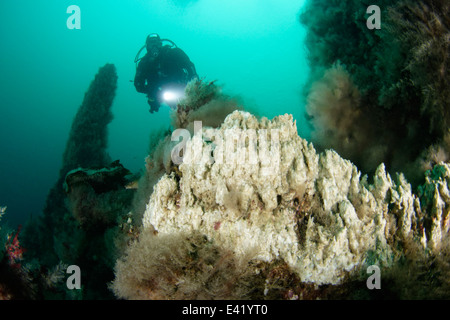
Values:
[(163, 72)]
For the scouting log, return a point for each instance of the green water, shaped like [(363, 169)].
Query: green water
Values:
[(254, 48)]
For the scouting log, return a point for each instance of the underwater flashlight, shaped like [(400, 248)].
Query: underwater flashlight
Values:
[(173, 95), (170, 96)]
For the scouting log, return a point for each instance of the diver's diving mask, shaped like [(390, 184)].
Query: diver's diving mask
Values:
[(153, 45)]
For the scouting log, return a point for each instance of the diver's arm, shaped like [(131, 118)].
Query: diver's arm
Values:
[(140, 77), (139, 82)]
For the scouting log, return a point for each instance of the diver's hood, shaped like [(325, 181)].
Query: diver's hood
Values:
[(163, 43)]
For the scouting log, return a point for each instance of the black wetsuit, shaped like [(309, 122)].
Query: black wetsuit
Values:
[(172, 65)]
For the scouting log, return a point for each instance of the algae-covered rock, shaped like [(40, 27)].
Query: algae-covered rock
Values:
[(256, 186)]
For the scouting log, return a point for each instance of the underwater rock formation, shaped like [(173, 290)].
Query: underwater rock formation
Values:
[(2, 213), (400, 73), (85, 211), (424, 27), (85, 147), (255, 188), (88, 137), (15, 281), (101, 179), (98, 196), (167, 267), (203, 101)]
